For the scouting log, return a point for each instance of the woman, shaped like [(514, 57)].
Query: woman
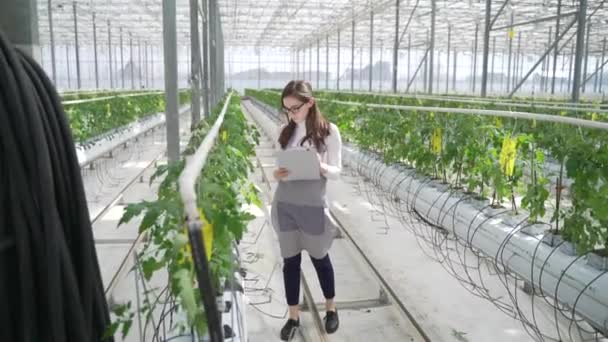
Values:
[(299, 211)]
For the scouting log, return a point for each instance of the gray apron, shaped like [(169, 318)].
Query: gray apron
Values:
[(300, 218)]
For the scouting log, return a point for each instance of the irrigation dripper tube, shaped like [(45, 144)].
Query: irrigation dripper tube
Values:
[(50, 283)]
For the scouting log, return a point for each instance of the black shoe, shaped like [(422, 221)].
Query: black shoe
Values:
[(331, 321), (289, 329)]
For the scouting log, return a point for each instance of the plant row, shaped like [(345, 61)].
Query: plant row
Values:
[(223, 191), (92, 118), (505, 161)]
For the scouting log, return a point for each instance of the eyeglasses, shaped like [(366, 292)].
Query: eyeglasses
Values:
[(293, 109)]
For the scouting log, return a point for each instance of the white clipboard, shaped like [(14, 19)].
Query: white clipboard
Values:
[(302, 163)]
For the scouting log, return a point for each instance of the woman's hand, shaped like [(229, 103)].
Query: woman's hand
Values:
[(322, 165), (280, 173)]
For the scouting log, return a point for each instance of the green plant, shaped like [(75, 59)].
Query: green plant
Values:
[(92, 118), (492, 157), (222, 189)]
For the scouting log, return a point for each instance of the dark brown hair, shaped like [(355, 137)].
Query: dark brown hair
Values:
[(317, 127)]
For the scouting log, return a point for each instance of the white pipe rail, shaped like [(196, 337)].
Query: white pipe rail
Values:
[(101, 145)]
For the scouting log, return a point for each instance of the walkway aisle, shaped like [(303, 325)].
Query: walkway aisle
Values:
[(438, 302), (363, 314)]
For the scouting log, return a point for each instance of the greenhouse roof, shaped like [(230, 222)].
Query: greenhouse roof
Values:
[(303, 24)]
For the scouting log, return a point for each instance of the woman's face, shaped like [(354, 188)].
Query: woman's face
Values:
[(296, 109)]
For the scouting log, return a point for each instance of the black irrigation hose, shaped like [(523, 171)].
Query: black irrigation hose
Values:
[(50, 283)]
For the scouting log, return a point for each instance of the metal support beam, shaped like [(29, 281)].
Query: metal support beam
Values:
[(504, 4), (602, 69), (318, 63), (205, 65), (396, 48), (570, 67), (409, 20), (132, 62), (486, 50), (352, 59), (550, 48), (196, 63), (259, 68), (327, 62), (510, 38), (597, 69), (310, 64), (76, 46), (122, 62), (548, 58), (146, 65), (580, 42), (447, 68), (409, 52), (555, 52), (432, 46), (409, 84), (475, 54), (95, 60), (338, 64), (139, 63), (371, 49), (586, 55), (454, 75), (110, 55), (518, 59), (171, 100), (535, 21), (67, 62), (52, 37), (492, 68)]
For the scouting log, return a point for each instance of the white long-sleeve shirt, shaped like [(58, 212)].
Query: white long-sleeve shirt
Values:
[(331, 159)]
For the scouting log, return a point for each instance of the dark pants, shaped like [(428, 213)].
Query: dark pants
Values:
[(291, 277)]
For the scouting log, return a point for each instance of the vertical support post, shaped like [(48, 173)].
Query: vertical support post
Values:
[(110, 54), (338, 64), (381, 64), (76, 46), (360, 68), (318, 63), (486, 49), (205, 65), (132, 62), (602, 61), (146, 65), (409, 52), (122, 62), (432, 47), (170, 52), (352, 58), (371, 49), (547, 65), (492, 67), (475, 55), (518, 61), (595, 78), (570, 68), (259, 69), (455, 67), (327, 62), (396, 47), (580, 42), (52, 37), (95, 61), (447, 68), (310, 64), (139, 63), (556, 51), (67, 63), (510, 37), (196, 63), (584, 77)]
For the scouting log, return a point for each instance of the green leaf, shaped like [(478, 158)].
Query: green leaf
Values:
[(131, 211)]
